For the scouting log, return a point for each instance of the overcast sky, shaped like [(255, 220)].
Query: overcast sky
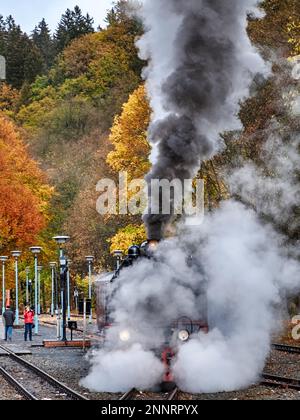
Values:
[(28, 13)]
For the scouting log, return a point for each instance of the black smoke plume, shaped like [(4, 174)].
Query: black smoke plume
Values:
[(211, 68)]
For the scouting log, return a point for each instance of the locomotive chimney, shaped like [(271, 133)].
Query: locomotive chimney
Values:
[(152, 245)]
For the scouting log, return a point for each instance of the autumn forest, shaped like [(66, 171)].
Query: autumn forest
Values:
[(74, 110)]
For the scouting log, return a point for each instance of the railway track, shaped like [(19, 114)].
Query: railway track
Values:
[(132, 394), (32, 382), (280, 382), (286, 349), (16, 385), (129, 395), (173, 395)]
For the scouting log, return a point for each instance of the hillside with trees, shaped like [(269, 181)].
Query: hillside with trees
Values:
[(66, 110), (79, 99)]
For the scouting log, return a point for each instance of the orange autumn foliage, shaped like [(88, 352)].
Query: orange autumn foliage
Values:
[(23, 193)]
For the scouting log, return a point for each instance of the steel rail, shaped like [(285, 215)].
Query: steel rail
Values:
[(286, 348), (172, 396), (44, 375), (280, 381), (128, 395), (16, 385)]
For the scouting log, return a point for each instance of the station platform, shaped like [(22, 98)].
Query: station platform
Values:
[(73, 344), (47, 337)]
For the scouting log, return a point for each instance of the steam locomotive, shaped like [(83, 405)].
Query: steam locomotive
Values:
[(179, 332)]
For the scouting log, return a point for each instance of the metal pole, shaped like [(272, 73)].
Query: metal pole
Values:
[(52, 291), (3, 287), (39, 292), (27, 287), (29, 291), (17, 290), (58, 322), (76, 299), (56, 291), (90, 291), (84, 323), (36, 294), (68, 295), (63, 280), (118, 263), (57, 308), (62, 335), (118, 254), (63, 270)]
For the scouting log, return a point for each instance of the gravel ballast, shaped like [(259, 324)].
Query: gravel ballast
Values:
[(71, 365)]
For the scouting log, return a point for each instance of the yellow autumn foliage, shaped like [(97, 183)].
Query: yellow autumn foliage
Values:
[(294, 36), (130, 235), (129, 137)]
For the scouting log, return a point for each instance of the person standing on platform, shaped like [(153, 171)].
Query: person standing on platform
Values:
[(9, 319), (29, 321)]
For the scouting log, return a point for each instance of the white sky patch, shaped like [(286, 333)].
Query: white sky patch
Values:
[(30, 12)]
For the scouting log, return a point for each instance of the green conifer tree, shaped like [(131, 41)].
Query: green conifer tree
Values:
[(42, 39), (72, 25)]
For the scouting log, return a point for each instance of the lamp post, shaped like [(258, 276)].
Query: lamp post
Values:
[(16, 255), (3, 260), (76, 296), (118, 255), (63, 264), (29, 291), (53, 267), (27, 271), (90, 260), (39, 288), (36, 250), (69, 291)]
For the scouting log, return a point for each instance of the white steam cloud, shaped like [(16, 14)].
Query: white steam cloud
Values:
[(247, 269), (244, 268), (235, 265), (122, 370)]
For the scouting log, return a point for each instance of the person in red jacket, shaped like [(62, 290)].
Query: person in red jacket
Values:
[(29, 321)]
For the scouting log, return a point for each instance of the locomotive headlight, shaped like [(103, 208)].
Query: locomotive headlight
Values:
[(183, 335), (124, 336)]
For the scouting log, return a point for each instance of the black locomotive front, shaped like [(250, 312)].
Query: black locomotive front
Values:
[(176, 334)]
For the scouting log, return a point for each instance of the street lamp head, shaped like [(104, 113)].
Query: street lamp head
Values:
[(36, 250), (40, 268), (53, 264), (16, 254), (118, 254), (61, 240), (27, 270), (3, 259), (90, 259)]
